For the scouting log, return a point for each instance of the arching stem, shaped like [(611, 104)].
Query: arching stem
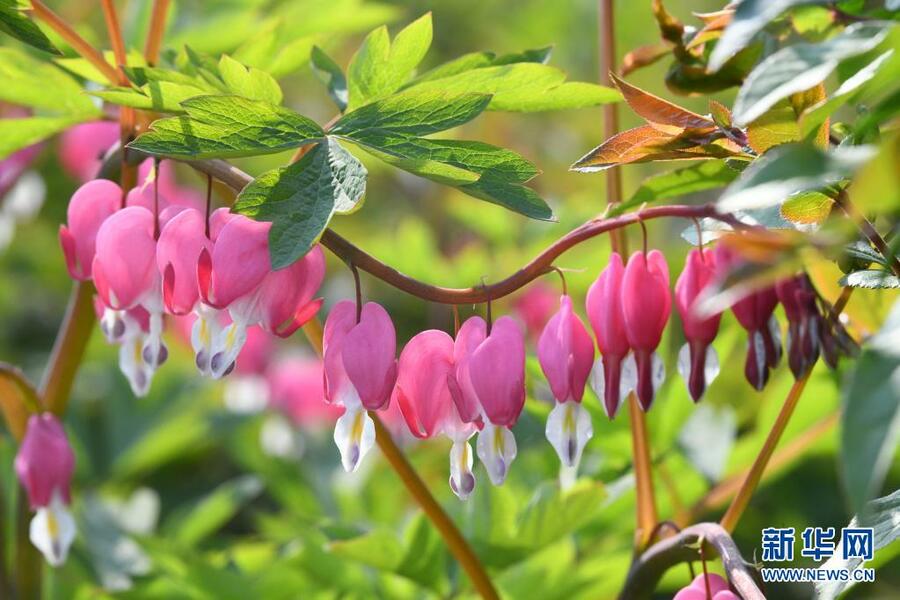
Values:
[(156, 32)]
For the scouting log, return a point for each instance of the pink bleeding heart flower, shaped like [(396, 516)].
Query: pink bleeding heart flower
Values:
[(490, 372), (698, 362), (178, 250), (45, 464), (535, 307), (168, 185), (604, 309), (646, 305), (125, 272), (755, 313), (82, 147), (360, 372), (89, 207), (706, 586), (281, 304), (297, 390), (426, 385), (233, 268), (566, 353), (798, 298)]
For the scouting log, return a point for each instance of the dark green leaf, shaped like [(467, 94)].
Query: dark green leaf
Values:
[(380, 67), (870, 418), (300, 199), (871, 279), (332, 76), (535, 55), (788, 169), (476, 157), (800, 67), (227, 126), (517, 198), (413, 113), (696, 178), (14, 22), (864, 252)]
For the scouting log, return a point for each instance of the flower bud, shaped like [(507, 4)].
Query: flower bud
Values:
[(697, 360)]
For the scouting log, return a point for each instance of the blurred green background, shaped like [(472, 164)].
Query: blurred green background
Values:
[(175, 494)]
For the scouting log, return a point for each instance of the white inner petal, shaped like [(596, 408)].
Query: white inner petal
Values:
[(628, 382), (132, 365), (354, 435), (52, 531), (657, 371), (205, 331), (568, 430), (496, 449), (462, 480)]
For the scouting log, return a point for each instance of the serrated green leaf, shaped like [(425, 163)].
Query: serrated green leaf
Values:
[(750, 17), (870, 417), (476, 157), (141, 76), (413, 113), (807, 207), (227, 126), (26, 81), (535, 55), (86, 70), (16, 134), (696, 178), (332, 76), (789, 169), (380, 67), (522, 87), (872, 279), (250, 83), (516, 197), (466, 62), (300, 199), (773, 128), (15, 23), (159, 96), (799, 67)]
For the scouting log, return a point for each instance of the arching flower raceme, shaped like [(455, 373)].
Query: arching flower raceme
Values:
[(125, 272), (798, 298), (604, 309), (236, 265), (490, 371), (566, 353), (646, 305), (426, 385), (755, 313), (698, 362), (360, 372), (81, 148), (281, 303), (44, 464), (89, 207), (706, 587)]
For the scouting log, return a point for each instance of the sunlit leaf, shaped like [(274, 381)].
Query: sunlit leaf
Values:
[(773, 128), (807, 207), (26, 81), (870, 417), (227, 126), (250, 83), (643, 56), (16, 134), (14, 22), (873, 279), (799, 67), (301, 198), (680, 182), (660, 113)]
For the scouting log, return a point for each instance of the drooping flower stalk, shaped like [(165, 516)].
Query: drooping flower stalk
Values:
[(698, 362)]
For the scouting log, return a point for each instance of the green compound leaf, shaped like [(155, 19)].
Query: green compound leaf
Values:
[(332, 76), (249, 82), (227, 126), (413, 113), (14, 22), (873, 279), (300, 199), (379, 68), (680, 182)]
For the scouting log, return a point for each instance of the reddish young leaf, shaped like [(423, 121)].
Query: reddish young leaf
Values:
[(661, 114), (670, 27), (643, 56)]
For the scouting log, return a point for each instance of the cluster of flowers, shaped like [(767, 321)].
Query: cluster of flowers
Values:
[(148, 256), (707, 587)]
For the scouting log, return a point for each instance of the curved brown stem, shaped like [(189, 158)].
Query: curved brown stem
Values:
[(647, 570)]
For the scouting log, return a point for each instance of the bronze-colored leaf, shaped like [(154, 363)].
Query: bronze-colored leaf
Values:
[(661, 114), (643, 56), (670, 27), (718, 19), (18, 399), (647, 143)]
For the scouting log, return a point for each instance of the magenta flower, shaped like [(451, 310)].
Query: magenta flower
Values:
[(360, 372), (426, 385), (798, 298), (490, 372), (646, 305), (755, 313), (566, 353), (45, 464), (706, 587), (90, 205), (698, 362), (181, 241), (604, 309), (81, 148)]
